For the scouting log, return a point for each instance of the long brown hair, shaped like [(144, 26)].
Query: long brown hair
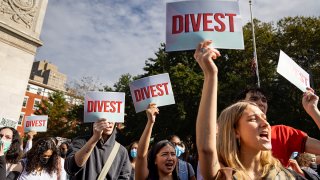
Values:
[(33, 157)]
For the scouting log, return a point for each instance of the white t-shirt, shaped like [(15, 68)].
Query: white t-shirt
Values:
[(43, 175)]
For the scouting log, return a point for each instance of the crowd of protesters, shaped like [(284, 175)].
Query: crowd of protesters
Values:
[(237, 144)]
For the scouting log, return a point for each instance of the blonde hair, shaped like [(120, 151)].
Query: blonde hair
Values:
[(228, 148)]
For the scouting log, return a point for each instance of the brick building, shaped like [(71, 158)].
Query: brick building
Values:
[(44, 79)]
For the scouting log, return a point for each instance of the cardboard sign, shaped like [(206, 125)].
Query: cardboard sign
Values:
[(190, 22), (293, 72), (108, 105), (6, 122), (36, 123), (153, 89)]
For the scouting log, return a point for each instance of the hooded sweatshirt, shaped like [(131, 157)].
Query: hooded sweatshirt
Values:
[(120, 168)]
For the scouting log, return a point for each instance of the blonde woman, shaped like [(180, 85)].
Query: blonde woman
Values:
[(241, 148)]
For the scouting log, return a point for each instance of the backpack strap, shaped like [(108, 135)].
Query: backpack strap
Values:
[(182, 170), (109, 161), (188, 173)]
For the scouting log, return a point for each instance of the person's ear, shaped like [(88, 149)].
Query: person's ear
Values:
[(237, 133)]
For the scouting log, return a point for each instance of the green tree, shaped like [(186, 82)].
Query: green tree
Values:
[(296, 36), (64, 119), (299, 37), (56, 108)]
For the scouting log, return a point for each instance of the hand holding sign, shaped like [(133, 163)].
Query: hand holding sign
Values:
[(205, 56), (30, 134), (310, 101), (152, 112), (102, 127)]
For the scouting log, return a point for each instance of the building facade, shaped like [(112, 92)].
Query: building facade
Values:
[(20, 29), (47, 73), (44, 80)]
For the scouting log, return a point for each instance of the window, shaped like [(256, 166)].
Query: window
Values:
[(28, 87), (25, 101), (21, 119), (39, 91), (36, 104)]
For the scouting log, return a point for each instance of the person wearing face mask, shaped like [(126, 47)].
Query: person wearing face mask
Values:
[(11, 143), (132, 151), (180, 150), (64, 148), (2, 162), (184, 169), (43, 162)]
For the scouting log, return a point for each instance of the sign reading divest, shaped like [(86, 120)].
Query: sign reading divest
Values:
[(293, 72), (153, 89), (190, 22), (5, 122), (36, 123), (108, 105)]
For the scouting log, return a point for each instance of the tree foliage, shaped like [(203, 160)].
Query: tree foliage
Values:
[(64, 119), (298, 37)]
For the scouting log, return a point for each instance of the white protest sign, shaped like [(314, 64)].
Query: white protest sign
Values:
[(108, 105), (293, 72), (153, 89), (6, 122), (190, 22), (36, 123)]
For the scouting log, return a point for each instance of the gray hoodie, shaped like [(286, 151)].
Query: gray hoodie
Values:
[(120, 168)]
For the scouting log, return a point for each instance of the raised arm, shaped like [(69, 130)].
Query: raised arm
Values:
[(84, 153), (141, 167), (310, 105), (206, 126), (30, 136)]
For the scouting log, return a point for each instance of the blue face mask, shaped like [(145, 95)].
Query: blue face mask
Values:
[(6, 145), (133, 153), (179, 151)]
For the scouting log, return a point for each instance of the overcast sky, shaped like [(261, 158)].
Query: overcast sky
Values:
[(107, 38)]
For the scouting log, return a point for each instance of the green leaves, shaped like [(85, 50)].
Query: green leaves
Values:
[(299, 37)]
